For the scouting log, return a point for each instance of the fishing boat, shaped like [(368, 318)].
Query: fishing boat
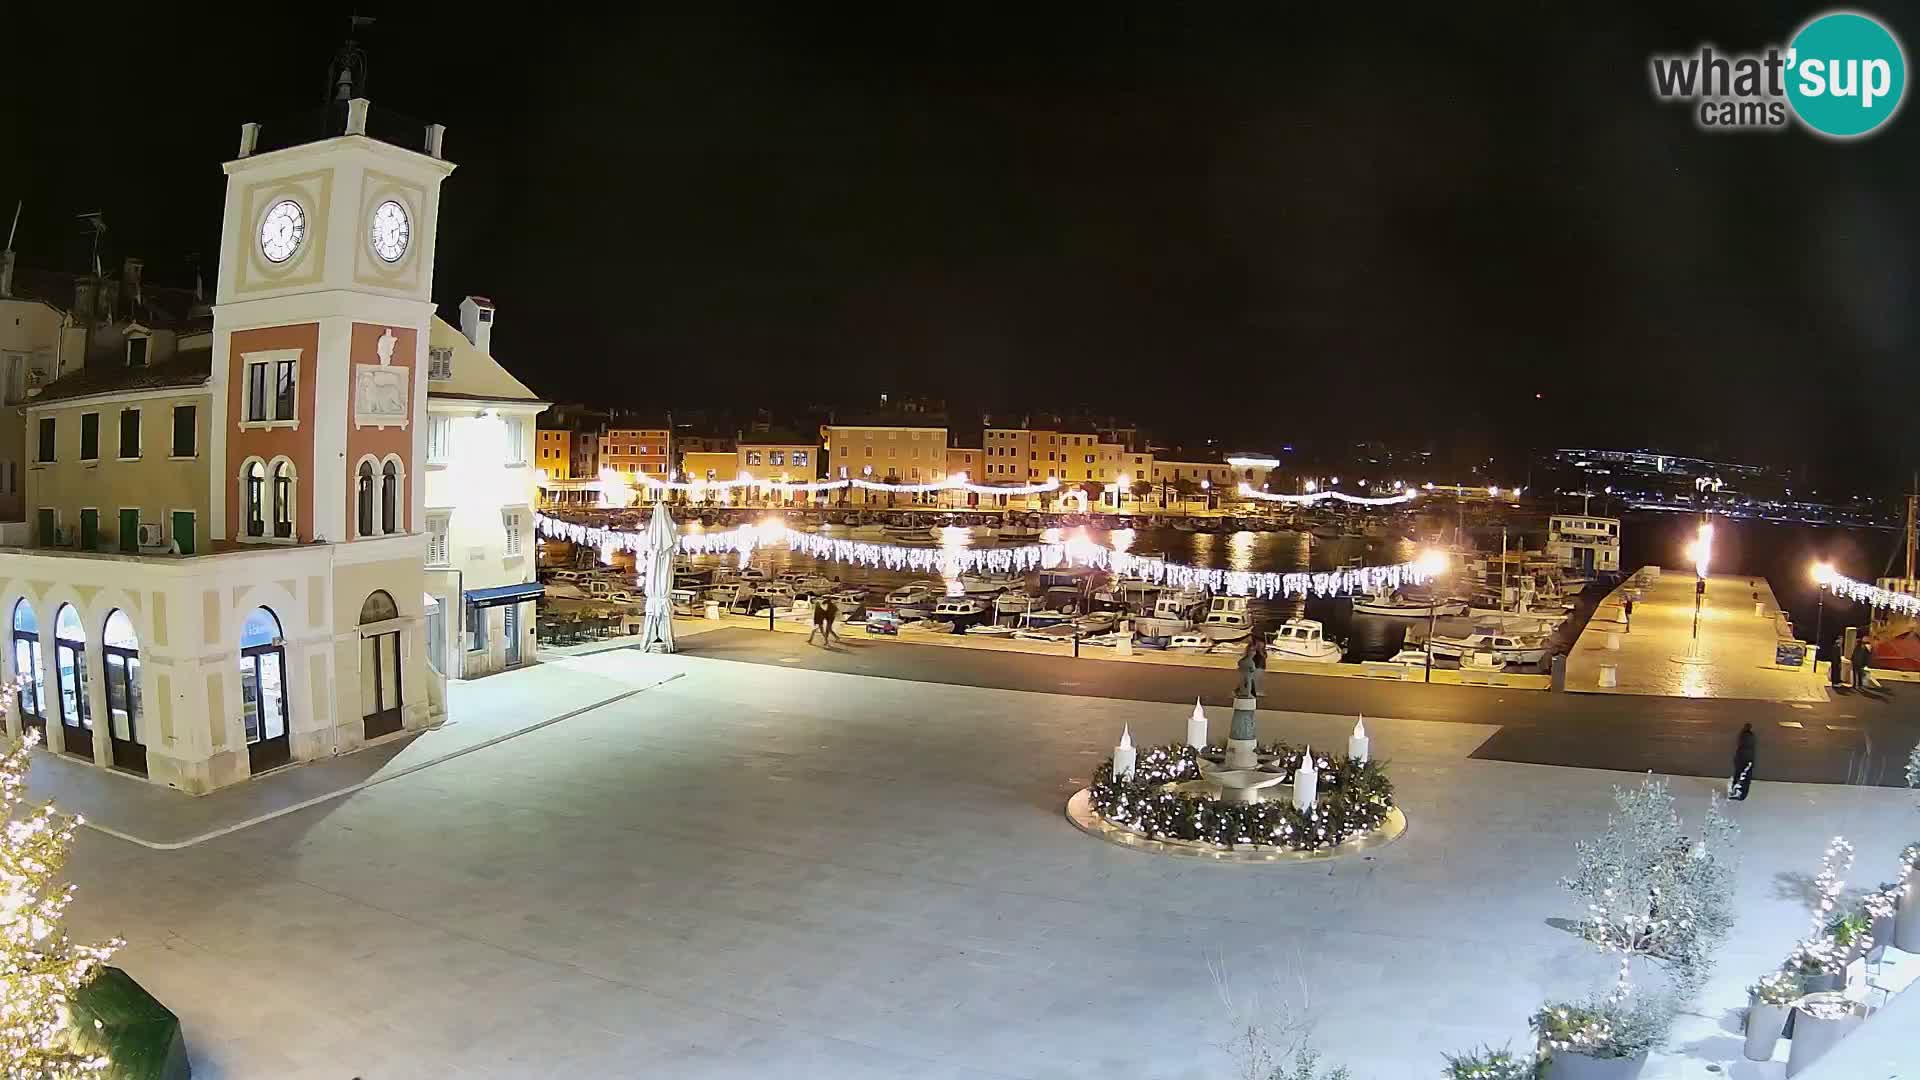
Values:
[(1174, 612), (1409, 657), (1402, 606), (913, 600), (988, 584), (961, 611), (1096, 622), (1192, 640), (1059, 632), (1227, 619), (1012, 603), (1510, 648), (1304, 640), (987, 629)]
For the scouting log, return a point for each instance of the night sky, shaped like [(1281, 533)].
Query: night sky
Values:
[(1343, 220)]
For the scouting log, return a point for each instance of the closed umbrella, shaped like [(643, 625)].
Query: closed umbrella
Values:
[(657, 636)]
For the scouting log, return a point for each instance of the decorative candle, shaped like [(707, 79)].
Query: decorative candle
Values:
[(1197, 727), (1306, 783), (1357, 743), (1124, 755)]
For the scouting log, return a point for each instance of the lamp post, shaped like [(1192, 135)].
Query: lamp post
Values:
[(1702, 552), (1433, 563), (1822, 574)]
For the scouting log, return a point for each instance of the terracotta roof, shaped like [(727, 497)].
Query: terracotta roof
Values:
[(186, 368)]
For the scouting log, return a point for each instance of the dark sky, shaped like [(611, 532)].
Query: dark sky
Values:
[(1336, 219)]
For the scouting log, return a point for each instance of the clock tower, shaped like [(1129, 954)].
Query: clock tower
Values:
[(321, 320)]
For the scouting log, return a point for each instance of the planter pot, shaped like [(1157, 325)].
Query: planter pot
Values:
[(1765, 1023), (1566, 1065), (1822, 983), (1882, 931), (1906, 927), (1815, 1035)]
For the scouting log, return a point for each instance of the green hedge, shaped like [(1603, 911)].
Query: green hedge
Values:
[(140, 1035)]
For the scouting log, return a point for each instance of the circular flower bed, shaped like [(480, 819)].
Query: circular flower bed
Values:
[(1353, 799)]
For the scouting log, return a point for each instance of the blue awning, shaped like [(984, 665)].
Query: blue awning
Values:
[(505, 594)]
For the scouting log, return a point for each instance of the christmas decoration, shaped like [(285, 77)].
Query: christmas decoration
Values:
[(1871, 595), (1354, 798), (904, 558), (41, 969), (956, 482), (1250, 492)]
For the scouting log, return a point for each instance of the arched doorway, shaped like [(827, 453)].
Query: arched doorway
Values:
[(26, 662), (120, 647), (380, 664), (263, 691), (70, 668)]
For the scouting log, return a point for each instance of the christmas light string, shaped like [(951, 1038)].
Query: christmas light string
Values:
[(1248, 491), (951, 561), (1872, 595), (956, 482)]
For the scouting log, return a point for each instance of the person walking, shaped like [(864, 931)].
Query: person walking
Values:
[(1862, 659), (819, 609), (1627, 606), (1834, 666), (1742, 765), (829, 612)]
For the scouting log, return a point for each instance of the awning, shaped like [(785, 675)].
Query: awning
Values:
[(505, 594)]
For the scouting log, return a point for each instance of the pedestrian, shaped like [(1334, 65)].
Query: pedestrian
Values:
[(828, 613), (1742, 765), (1627, 605), (819, 608), (1862, 659), (1834, 666)]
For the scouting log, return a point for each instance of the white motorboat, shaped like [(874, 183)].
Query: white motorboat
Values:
[(1057, 632), (1509, 648), (1524, 624), (1483, 661), (988, 584), (1304, 640), (1227, 619), (961, 611), (1013, 603), (913, 599), (1406, 607), (1109, 640), (952, 534), (987, 629), (752, 573), (1096, 622), (1409, 657), (1192, 639), (1174, 612)]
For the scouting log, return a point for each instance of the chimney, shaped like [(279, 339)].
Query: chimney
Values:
[(6, 272), (84, 288), (130, 271), (476, 321)]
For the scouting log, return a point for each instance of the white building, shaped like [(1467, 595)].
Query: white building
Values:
[(1584, 543), (481, 488)]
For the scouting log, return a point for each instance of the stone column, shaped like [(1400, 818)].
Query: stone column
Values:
[(96, 661), (1242, 738), (10, 670), (50, 697)]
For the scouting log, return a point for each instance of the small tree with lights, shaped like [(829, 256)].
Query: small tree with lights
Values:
[(41, 968)]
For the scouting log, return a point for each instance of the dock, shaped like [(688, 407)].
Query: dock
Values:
[(1743, 632)]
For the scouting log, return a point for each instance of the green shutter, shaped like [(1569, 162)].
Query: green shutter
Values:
[(46, 528), (89, 529), (183, 530), (129, 530)]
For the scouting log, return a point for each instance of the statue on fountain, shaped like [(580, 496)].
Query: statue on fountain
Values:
[(1253, 664)]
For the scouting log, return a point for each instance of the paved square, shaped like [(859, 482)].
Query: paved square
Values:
[(756, 871)]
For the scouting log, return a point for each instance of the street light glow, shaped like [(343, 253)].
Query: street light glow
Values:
[(1823, 574), (1432, 562), (1701, 550)]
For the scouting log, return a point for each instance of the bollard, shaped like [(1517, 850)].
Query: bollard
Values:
[(713, 610), (1609, 676), (1613, 641), (1759, 607)]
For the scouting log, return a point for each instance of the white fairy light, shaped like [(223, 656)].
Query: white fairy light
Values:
[(1871, 595), (1251, 492)]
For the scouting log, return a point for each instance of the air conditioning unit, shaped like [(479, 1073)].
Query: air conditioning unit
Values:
[(151, 535)]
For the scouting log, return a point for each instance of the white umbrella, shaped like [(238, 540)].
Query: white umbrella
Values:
[(661, 541)]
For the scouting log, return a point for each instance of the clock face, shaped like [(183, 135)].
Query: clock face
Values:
[(390, 231), (282, 231)]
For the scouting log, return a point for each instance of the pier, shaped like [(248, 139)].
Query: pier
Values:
[(1741, 631)]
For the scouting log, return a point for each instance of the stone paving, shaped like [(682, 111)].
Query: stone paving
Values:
[(1737, 644), (757, 871)]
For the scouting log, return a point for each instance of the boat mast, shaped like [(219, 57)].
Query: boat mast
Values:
[(1912, 498)]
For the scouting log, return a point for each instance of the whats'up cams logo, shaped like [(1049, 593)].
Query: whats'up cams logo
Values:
[(1842, 76)]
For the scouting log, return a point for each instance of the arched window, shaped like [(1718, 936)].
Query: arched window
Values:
[(263, 668), (255, 480), (363, 498), (120, 648), (283, 499), (378, 608), (70, 667), (26, 662), (390, 497)]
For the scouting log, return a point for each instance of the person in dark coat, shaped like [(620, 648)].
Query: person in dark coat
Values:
[(1742, 765), (1862, 659), (1833, 669)]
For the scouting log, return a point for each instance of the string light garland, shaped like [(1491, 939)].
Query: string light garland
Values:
[(1354, 798), (956, 482), (950, 561), (1249, 491), (1871, 595)]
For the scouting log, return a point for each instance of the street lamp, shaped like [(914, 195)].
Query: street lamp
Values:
[(1822, 576), (1432, 563), (1702, 552)]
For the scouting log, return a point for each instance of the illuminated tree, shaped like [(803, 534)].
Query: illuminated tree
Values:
[(41, 968)]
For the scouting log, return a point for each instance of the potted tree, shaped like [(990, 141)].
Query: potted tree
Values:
[(1603, 1039), (1820, 1021), (1769, 1002)]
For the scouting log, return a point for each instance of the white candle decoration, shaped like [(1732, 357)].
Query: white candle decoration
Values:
[(1357, 743), (1306, 783), (1124, 756), (1197, 727)]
